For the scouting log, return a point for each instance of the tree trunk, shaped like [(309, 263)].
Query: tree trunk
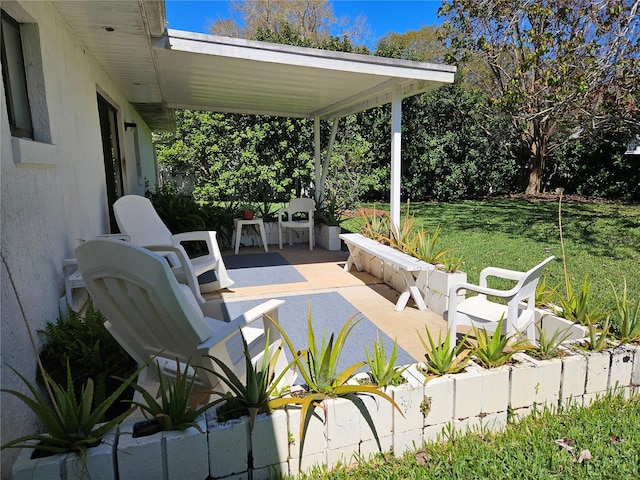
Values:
[(537, 153), (533, 187)]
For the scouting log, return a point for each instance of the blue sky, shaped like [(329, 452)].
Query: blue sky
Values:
[(383, 16)]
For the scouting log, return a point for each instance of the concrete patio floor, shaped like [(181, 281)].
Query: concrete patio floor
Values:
[(324, 272)]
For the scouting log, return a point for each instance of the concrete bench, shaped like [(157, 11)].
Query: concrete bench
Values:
[(405, 264)]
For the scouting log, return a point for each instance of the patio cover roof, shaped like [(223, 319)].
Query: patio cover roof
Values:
[(160, 70)]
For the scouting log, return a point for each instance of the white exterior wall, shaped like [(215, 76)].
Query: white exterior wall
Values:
[(54, 196)]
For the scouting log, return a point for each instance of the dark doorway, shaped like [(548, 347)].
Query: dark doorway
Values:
[(112, 159)]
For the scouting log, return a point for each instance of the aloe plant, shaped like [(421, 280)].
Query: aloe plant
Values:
[(376, 227), (179, 404), (627, 316), (493, 350), (598, 338), (441, 358), (71, 422), (577, 306), (549, 346), (257, 394), (424, 247), (318, 367), (382, 372)]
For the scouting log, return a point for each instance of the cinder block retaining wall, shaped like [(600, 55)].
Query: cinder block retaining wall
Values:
[(475, 398)]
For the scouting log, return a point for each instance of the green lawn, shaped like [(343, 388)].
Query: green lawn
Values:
[(534, 448), (602, 240)]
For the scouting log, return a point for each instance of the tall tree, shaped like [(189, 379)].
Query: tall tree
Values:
[(552, 61)]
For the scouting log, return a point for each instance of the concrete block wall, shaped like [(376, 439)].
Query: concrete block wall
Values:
[(475, 398)]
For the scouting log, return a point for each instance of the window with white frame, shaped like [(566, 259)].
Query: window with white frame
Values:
[(15, 79), (23, 76)]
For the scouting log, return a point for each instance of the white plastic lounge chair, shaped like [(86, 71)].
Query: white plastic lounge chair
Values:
[(137, 218), (480, 312), (158, 321), (298, 207)]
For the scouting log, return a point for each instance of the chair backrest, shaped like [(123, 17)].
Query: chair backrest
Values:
[(520, 318), (301, 205), (140, 297), (137, 218)]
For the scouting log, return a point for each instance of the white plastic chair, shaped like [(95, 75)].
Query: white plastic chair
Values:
[(137, 218), (480, 312), (298, 207), (158, 321)]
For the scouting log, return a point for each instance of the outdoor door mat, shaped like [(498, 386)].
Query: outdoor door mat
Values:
[(254, 269), (329, 312)]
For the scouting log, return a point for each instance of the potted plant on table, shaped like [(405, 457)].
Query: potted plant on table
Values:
[(247, 211)]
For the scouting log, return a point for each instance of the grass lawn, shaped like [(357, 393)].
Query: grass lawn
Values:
[(602, 240), (542, 446)]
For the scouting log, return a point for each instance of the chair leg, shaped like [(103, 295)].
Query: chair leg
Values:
[(311, 239), (280, 236)]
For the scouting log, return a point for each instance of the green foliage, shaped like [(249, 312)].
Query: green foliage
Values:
[(72, 421), (626, 316), (577, 305), (549, 346), (384, 372), (179, 404), (318, 368), (442, 358), (551, 64), (493, 350), (424, 247), (83, 342), (256, 394), (376, 226), (524, 450), (598, 337)]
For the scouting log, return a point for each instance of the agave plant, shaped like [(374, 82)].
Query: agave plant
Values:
[(72, 422), (626, 317), (382, 372), (179, 404), (257, 394), (441, 358), (493, 350), (318, 367)]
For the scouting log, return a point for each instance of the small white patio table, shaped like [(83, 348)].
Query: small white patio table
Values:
[(238, 223)]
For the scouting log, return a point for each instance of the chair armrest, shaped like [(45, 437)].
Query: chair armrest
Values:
[(183, 269), (494, 292), (207, 236), (222, 331), (500, 273)]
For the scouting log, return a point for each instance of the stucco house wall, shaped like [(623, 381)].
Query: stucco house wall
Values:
[(53, 192)]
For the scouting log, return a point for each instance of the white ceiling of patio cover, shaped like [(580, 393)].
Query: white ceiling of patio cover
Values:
[(159, 70), (208, 72)]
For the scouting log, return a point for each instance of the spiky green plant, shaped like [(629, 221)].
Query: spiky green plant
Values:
[(256, 394), (495, 349), (384, 372), (318, 368), (576, 305), (549, 346), (441, 358), (598, 337), (626, 318), (179, 404), (424, 247), (376, 226), (71, 422)]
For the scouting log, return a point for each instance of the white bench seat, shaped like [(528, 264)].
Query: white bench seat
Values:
[(405, 264)]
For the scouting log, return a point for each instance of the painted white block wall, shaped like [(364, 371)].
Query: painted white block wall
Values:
[(55, 195)]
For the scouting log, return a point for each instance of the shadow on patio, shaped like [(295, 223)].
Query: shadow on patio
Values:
[(323, 272)]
